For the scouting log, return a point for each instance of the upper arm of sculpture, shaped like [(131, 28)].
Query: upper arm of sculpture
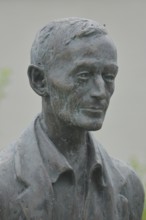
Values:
[(132, 189), (135, 194), (1, 207), (3, 198), (6, 183)]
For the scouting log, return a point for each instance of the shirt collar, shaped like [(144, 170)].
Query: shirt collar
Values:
[(57, 164)]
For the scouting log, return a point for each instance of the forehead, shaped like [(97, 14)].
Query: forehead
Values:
[(90, 48)]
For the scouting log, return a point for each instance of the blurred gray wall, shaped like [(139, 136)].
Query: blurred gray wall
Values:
[(123, 133)]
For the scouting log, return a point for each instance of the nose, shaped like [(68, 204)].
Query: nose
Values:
[(98, 88)]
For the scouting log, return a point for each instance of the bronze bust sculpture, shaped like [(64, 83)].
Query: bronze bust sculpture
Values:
[(56, 170)]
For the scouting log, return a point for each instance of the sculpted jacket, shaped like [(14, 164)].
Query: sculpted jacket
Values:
[(41, 186)]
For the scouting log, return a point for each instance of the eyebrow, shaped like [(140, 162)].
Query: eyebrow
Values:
[(94, 63)]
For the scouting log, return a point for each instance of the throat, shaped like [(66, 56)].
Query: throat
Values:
[(70, 141), (77, 158)]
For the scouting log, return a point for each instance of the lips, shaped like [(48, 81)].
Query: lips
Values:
[(94, 110), (100, 107), (97, 107)]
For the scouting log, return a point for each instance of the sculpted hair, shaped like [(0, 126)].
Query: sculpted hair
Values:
[(57, 35)]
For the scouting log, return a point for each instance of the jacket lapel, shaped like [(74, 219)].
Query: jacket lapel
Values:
[(114, 182), (37, 197)]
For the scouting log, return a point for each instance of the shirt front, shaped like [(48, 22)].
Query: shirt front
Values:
[(98, 201)]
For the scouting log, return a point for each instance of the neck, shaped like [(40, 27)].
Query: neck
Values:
[(68, 139)]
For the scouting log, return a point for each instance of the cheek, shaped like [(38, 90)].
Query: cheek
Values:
[(63, 98), (57, 100), (110, 88), (73, 101)]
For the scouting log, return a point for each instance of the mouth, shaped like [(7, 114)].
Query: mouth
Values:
[(95, 110)]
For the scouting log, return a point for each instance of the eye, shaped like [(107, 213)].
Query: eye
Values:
[(85, 75), (109, 76)]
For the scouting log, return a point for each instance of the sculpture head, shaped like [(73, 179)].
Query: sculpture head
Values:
[(73, 67)]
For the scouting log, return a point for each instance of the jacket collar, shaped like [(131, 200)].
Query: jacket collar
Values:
[(34, 137), (56, 163)]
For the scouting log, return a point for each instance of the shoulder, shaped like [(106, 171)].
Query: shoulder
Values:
[(120, 168), (8, 154), (7, 169), (132, 189), (6, 159), (7, 178), (131, 178), (10, 183), (127, 181)]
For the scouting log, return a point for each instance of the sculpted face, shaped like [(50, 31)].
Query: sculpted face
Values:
[(81, 82)]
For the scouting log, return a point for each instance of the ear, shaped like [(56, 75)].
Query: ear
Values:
[(37, 80)]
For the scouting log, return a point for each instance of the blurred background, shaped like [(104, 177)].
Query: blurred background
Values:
[(123, 133)]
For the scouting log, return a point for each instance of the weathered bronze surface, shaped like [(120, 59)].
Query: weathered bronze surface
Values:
[(56, 170)]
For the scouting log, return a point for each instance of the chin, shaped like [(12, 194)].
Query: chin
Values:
[(94, 126), (88, 124)]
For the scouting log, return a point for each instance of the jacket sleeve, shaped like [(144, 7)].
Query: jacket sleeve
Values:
[(134, 191), (8, 189), (3, 201)]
